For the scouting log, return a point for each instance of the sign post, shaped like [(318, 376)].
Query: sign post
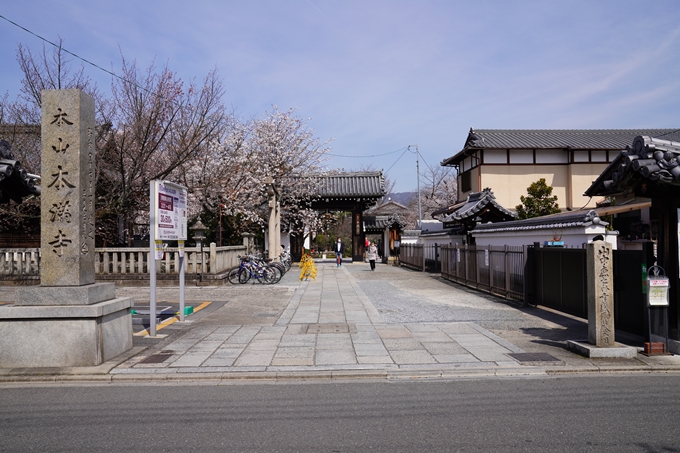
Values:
[(657, 303), (168, 222)]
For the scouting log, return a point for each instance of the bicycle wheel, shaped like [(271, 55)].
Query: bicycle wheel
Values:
[(277, 274), (279, 266), (243, 275), (232, 276), (268, 275)]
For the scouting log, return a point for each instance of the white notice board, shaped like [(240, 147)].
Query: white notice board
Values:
[(171, 211)]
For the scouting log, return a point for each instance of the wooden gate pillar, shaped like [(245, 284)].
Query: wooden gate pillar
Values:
[(358, 235), (667, 251)]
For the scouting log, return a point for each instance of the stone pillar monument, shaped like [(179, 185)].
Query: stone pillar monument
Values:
[(69, 320), (599, 265), (600, 297), (67, 203)]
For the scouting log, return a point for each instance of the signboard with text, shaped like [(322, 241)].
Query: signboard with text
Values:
[(171, 211), (657, 291)]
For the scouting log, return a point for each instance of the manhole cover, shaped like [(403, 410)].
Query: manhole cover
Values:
[(330, 328), (156, 358), (533, 357)]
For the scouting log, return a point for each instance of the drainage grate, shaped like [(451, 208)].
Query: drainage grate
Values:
[(265, 315), (330, 328), (156, 358), (533, 357)]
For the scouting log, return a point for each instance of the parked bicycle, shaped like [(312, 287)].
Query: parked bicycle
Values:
[(254, 267), (286, 260)]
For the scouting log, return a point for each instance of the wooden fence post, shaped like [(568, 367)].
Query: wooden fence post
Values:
[(506, 256)]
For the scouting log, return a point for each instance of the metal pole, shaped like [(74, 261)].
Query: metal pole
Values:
[(220, 224), (181, 287), (152, 260), (420, 212)]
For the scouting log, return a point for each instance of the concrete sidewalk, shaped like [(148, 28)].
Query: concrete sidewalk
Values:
[(353, 323)]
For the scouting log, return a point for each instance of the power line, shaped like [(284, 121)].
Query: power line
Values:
[(84, 59), (160, 96), (428, 165), (395, 162), (361, 157)]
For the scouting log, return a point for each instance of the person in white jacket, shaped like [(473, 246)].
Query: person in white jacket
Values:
[(372, 254)]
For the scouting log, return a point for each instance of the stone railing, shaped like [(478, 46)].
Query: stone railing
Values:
[(19, 263), (124, 262)]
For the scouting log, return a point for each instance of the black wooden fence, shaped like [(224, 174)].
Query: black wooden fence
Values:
[(497, 270), (554, 277), (421, 257)]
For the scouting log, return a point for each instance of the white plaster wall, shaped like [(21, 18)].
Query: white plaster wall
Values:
[(409, 240), (572, 237), (441, 239)]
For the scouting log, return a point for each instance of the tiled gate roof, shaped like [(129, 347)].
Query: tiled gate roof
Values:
[(356, 184)]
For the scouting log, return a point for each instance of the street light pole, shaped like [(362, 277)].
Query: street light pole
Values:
[(420, 212)]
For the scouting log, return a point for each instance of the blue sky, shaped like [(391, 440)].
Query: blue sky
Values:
[(377, 76)]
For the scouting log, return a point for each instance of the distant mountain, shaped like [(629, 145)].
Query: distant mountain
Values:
[(402, 197)]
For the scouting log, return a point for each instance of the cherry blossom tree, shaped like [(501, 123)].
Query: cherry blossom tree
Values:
[(155, 127), (279, 145)]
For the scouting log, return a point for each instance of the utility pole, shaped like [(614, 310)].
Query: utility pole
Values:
[(420, 213)]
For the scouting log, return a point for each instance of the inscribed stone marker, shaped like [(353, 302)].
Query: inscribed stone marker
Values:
[(67, 200)]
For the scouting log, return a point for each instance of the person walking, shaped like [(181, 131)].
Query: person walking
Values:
[(372, 254), (339, 250)]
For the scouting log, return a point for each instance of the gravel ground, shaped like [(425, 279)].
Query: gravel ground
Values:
[(404, 296)]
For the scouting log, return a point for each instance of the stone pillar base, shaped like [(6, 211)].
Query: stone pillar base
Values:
[(619, 351), (68, 295), (60, 336)]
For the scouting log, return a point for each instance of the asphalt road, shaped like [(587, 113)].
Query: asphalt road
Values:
[(607, 413)]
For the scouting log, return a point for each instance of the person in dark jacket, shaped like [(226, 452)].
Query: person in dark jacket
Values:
[(339, 250)]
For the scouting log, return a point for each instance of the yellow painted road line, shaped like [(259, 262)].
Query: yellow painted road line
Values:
[(169, 321)]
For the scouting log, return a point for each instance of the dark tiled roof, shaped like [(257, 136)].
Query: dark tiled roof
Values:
[(390, 207), (562, 220), (357, 184), (476, 203), (15, 182), (586, 139), (381, 222), (447, 210), (649, 161)]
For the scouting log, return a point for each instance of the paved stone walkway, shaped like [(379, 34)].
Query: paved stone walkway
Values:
[(328, 324), (350, 323)]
